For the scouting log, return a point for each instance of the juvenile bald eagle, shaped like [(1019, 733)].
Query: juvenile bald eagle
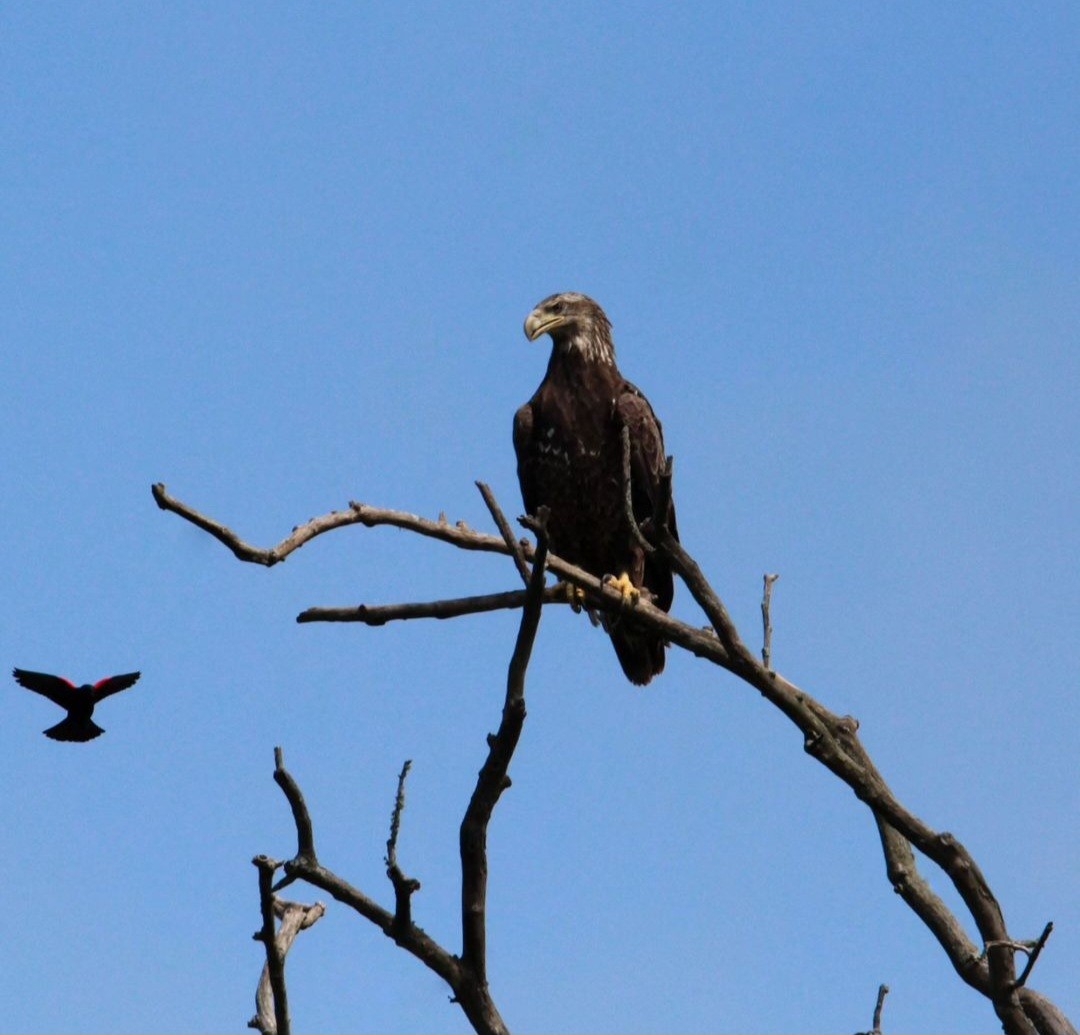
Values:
[(568, 440)]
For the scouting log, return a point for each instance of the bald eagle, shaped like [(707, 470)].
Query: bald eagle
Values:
[(568, 440)]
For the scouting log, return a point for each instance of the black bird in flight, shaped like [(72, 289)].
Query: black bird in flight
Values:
[(79, 701)]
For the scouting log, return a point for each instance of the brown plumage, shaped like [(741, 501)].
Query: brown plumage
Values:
[(569, 458)]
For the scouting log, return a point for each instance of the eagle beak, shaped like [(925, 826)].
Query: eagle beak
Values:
[(537, 323)]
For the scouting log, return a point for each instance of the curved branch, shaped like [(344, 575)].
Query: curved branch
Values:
[(459, 535)]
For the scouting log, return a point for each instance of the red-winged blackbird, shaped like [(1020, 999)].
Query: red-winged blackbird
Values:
[(79, 701)]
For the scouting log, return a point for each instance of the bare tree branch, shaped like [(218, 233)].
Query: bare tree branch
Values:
[(827, 737), (907, 882), (1033, 953), (275, 955), (295, 917), (306, 866), (882, 992), (493, 779), (403, 886), (305, 834), (511, 600), (459, 535), (766, 620), (512, 543)]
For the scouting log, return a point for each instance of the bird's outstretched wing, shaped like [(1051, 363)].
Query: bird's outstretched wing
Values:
[(59, 691), (114, 684)]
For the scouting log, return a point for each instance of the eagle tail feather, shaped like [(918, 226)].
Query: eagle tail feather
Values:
[(641, 654)]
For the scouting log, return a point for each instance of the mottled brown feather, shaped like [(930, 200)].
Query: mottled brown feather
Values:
[(568, 442)]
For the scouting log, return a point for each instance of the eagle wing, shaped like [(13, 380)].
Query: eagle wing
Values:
[(59, 691), (523, 429), (114, 684), (647, 459)]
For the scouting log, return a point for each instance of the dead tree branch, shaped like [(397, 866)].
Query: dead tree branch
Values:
[(404, 887), (511, 600), (882, 992), (275, 956), (466, 974), (493, 779), (512, 543), (766, 620), (271, 1008), (829, 738), (1033, 952)]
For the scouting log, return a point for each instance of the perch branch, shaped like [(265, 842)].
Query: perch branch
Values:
[(829, 738)]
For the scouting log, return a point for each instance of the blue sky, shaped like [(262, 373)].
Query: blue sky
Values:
[(278, 257)]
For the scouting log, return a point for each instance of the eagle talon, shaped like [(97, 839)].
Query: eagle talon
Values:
[(575, 596), (630, 592)]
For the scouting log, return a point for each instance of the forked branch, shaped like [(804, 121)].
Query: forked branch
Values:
[(467, 974), (831, 739), (271, 1005)]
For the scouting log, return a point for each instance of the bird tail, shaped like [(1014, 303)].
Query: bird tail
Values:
[(640, 653), (73, 729)]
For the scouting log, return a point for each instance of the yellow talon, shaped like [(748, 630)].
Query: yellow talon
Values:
[(575, 595), (630, 592)]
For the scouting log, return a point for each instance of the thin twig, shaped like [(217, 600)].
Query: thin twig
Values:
[(1033, 953), (505, 531), (766, 620), (403, 886), (882, 992)]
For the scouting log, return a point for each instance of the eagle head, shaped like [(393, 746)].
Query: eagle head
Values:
[(576, 324)]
